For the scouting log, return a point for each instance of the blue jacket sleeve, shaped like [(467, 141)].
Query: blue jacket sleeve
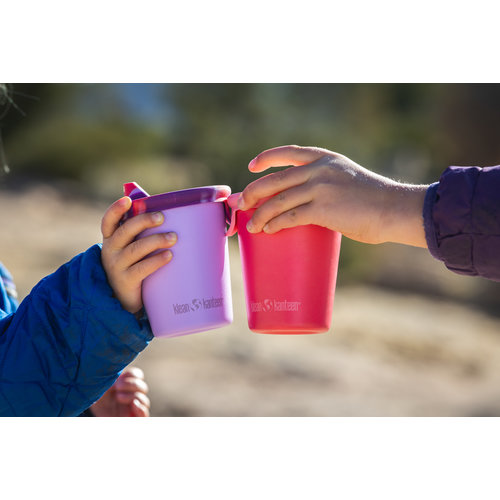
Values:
[(67, 342), (462, 220)]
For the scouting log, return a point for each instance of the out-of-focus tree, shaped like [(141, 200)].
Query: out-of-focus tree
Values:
[(387, 127), (66, 130), (409, 131)]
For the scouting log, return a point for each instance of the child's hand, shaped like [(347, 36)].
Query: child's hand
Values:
[(127, 397), (124, 259), (330, 190)]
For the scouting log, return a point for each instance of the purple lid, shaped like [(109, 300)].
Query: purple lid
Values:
[(142, 203)]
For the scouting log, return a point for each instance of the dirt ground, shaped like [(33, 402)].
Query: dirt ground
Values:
[(387, 354)]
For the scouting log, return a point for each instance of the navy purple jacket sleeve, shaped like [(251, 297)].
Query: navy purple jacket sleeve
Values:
[(67, 342), (462, 220)]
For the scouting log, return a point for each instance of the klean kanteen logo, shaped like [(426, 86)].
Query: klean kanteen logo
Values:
[(270, 305), (197, 305)]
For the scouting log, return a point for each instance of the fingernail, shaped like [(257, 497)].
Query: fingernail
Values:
[(171, 237), (252, 163), (250, 227), (125, 201), (168, 255), (157, 217), (266, 228)]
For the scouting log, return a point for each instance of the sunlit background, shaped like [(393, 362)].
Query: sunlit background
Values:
[(408, 338)]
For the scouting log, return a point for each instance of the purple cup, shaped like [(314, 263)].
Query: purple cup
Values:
[(192, 293)]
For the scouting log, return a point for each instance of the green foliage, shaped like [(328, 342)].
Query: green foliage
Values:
[(64, 147), (68, 130), (410, 131)]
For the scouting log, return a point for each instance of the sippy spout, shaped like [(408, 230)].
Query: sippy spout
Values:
[(134, 191)]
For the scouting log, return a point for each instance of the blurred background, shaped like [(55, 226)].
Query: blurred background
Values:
[(408, 338)]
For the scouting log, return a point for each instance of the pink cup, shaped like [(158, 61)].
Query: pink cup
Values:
[(289, 276)]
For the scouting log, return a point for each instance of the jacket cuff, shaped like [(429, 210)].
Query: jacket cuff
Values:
[(430, 229)]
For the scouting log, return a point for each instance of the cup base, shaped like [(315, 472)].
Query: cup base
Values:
[(198, 329), (288, 332)]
